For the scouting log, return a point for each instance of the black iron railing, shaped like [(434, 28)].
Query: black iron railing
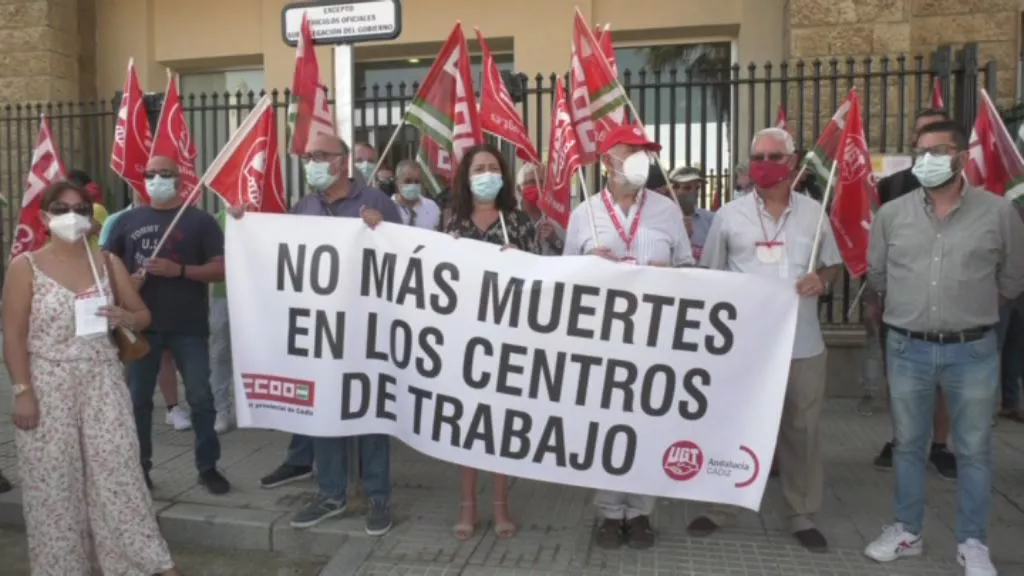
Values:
[(703, 116)]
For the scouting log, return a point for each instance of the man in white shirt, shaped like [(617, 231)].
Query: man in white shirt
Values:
[(634, 226), (771, 233), (416, 210)]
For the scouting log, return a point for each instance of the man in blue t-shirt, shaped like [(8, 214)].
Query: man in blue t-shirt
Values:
[(174, 284)]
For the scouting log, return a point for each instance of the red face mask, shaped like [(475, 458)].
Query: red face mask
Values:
[(531, 194), (765, 173)]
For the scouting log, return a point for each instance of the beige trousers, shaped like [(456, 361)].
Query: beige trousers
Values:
[(799, 447)]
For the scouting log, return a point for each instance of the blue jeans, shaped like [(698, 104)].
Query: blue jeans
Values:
[(300, 452), (969, 377), (375, 461), (192, 357)]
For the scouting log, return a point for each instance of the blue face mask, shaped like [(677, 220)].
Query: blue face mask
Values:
[(161, 190), (365, 168), (318, 175), (486, 186), (411, 191)]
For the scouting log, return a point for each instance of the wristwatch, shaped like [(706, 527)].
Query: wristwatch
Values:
[(182, 273), (19, 389)]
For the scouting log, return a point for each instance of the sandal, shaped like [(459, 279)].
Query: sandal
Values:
[(503, 529), (464, 530)]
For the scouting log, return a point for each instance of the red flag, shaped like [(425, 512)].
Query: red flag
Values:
[(498, 114), (995, 163), (563, 162), (937, 101), (604, 39), (781, 121), (445, 107), (607, 100), (132, 138), (46, 167), (308, 112), (173, 140), (247, 172), (855, 193)]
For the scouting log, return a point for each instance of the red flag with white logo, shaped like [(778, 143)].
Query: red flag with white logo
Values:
[(132, 137), (498, 114), (937, 102), (607, 101), (173, 140), (247, 172), (563, 162), (308, 112), (855, 193), (995, 163), (46, 167), (604, 39), (444, 109)]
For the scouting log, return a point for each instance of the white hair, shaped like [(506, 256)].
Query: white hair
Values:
[(526, 170), (405, 166), (777, 134)]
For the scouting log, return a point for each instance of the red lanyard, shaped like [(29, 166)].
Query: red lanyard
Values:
[(613, 214)]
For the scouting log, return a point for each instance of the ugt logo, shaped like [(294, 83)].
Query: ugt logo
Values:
[(267, 388), (682, 460)]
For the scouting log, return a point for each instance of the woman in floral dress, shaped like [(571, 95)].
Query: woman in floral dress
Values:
[(78, 455), (483, 207)]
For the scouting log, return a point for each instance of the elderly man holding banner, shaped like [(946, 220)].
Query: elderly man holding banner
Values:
[(629, 224), (773, 233)]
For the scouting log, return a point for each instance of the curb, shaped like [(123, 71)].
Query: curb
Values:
[(232, 528)]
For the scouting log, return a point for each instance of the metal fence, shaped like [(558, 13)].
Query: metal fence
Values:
[(702, 114)]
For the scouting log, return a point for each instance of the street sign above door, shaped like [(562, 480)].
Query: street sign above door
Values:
[(343, 21)]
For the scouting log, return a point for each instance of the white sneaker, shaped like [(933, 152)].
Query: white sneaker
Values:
[(973, 556), (223, 423), (178, 418), (895, 543)]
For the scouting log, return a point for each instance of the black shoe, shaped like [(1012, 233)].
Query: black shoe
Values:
[(5, 484), (944, 462), (609, 534), (639, 534), (285, 474), (701, 526), (884, 460), (215, 482), (813, 540)]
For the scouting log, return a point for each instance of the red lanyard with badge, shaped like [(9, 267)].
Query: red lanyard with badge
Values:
[(769, 251), (613, 214)]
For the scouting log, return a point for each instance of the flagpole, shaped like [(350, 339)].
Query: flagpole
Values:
[(590, 208), (816, 246), (387, 148), (504, 229), (174, 222)]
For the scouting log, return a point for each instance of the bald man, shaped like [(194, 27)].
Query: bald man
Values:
[(174, 284)]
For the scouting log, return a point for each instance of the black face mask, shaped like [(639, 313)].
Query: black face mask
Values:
[(388, 187)]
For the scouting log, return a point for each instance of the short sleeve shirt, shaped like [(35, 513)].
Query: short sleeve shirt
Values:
[(179, 306)]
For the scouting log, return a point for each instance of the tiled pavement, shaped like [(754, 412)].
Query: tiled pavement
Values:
[(555, 521)]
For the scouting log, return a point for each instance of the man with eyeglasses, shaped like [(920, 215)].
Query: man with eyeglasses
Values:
[(943, 258), (337, 193), (771, 233), (174, 284), (873, 363)]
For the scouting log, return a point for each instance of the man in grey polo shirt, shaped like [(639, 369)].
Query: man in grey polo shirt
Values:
[(335, 193), (942, 258)]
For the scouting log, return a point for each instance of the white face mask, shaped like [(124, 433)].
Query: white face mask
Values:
[(161, 190), (635, 169), (69, 227), (933, 170)]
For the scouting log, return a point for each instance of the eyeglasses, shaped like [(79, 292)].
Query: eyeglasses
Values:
[(60, 208), (771, 157), (320, 156), (150, 174)]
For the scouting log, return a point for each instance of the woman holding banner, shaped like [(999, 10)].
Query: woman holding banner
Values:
[(84, 492), (484, 209)]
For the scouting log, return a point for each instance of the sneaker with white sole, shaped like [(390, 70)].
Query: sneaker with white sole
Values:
[(178, 418), (973, 556), (223, 423), (894, 543)]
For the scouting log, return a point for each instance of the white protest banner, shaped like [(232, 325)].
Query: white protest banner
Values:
[(572, 370)]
